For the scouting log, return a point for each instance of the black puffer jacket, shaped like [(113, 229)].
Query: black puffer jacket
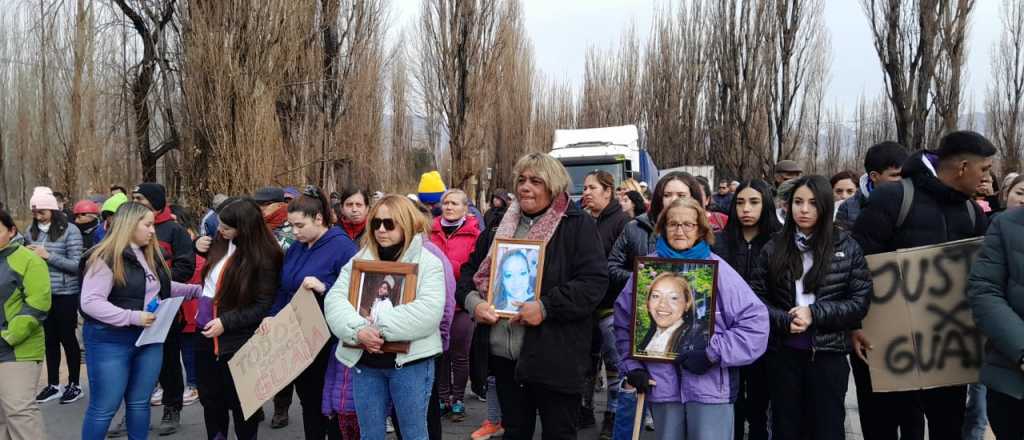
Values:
[(938, 213), (637, 240), (745, 255), (610, 224), (841, 301), (556, 353)]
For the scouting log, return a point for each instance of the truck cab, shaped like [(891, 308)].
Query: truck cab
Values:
[(612, 149)]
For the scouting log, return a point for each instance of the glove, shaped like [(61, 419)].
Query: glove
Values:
[(693, 355), (639, 379)]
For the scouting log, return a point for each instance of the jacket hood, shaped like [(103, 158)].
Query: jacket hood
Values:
[(865, 184), (332, 233), (614, 207), (645, 222), (163, 216), (920, 168)]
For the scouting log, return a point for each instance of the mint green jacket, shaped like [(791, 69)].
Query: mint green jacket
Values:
[(25, 295), (417, 321)]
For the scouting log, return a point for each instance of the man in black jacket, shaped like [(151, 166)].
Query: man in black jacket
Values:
[(940, 211), (882, 164)]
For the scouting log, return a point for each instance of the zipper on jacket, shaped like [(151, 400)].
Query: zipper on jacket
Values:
[(750, 248), (814, 350)]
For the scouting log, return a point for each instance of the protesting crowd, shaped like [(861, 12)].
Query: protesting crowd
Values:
[(765, 352)]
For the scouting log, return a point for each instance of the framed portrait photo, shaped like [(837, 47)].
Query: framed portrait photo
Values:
[(516, 274), (377, 286), (674, 306)]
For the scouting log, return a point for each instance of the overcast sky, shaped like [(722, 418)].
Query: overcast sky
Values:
[(562, 30)]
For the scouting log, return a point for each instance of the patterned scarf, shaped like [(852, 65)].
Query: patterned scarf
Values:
[(542, 230)]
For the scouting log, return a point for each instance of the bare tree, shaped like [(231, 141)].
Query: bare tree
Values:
[(1005, 98), (908, 41), (459, 44), (949, 71)]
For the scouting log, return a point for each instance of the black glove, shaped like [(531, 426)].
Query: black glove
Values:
[(639, 379), (693, 355)]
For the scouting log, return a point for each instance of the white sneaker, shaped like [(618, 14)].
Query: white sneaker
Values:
[(190, 396), (388, 426), (158, 397)]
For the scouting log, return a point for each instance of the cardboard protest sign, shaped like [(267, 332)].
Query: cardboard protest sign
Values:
[(269, 362), (920, 324)]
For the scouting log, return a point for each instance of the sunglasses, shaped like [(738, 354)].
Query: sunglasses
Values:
[(389, 224)]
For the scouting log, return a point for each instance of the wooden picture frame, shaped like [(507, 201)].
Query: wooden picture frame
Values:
[(529, 251), (661, 340), (368, 277)]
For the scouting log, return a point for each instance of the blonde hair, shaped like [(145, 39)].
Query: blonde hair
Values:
[(456, 191), (680, 280), (631, 184), (406, 217), (704, 231), (547, 168), (122, 228)]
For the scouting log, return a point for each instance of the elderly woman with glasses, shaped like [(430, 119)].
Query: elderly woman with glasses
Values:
[(693, 398)]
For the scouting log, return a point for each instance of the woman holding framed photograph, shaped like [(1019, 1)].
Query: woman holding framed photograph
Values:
[(396, 234), (536, 356), (817, 286), (752, 222), (692, 398)]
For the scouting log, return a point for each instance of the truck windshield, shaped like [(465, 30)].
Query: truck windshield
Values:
[(579, 172)]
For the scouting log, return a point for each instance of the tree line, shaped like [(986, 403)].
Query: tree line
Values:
[(230, 95)]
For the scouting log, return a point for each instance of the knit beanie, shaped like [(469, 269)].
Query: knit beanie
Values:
[(42, 198), (154, 192), (431, 187), (115, 201)]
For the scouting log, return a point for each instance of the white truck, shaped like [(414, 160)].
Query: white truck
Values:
[(616, 150)]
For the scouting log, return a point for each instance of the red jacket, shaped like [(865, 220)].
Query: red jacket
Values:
[(457, 247)]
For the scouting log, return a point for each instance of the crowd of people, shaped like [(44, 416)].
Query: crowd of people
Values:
[(791, 291)]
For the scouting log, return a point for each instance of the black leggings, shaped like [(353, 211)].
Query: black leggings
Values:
[(59, 329), (220, 399), (310, 388)]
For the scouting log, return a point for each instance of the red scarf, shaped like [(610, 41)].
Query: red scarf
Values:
[(353, 229), (277, 218)]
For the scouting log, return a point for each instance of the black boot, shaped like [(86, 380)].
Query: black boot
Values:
[(170, 423)]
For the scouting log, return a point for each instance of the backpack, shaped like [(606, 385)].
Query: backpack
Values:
[(908, 200)]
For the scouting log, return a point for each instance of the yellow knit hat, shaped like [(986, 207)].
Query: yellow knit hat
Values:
[(431, 187)]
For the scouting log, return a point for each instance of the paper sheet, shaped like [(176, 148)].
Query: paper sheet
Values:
[(157, 333)]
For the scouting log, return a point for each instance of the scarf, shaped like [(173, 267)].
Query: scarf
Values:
[(699, 251), (803, 242), (542, 230), (456, 224), (353, 229), (276, 218)]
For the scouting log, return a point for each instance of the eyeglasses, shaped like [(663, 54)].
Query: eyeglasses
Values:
[(685, 227), (388, 223)]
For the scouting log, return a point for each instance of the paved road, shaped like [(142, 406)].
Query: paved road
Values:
[(63, 422)]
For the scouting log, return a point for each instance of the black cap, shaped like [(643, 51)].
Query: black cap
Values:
[(270, 194)]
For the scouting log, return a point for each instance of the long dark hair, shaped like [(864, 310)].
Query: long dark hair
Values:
[(767, 223), (657, 199), (312, 202), (256, 250), (58, 224), (788, 263)]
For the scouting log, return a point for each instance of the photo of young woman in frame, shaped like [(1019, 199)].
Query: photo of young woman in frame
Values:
[(515, 275), (674, 306)]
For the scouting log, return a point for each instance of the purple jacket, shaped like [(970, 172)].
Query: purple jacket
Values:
[(449, 291), (740, 338), (337, 397)]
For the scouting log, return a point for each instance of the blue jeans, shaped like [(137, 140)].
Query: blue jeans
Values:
[(188, 357), (375, 389), (118, 371), (625, 415), (976, 416), (611, 359)]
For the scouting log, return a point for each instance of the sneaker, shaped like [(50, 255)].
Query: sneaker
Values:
[(47, 394), (170, 423), (488, 430), (458, 412), (607, 425), (121, 430), (158, 397), (648, 422), (190, 396), (280, 420), (388, 426), (71, 393), (445, 408)]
